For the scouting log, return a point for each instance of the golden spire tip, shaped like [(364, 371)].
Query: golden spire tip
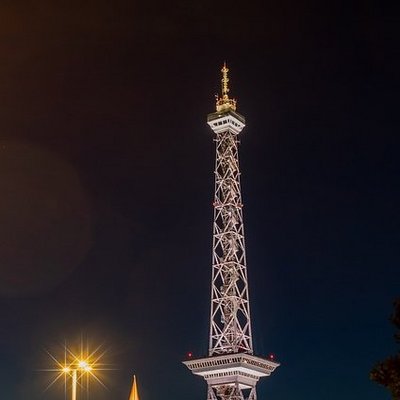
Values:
[(224, 102)]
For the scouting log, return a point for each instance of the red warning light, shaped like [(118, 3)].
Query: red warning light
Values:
[(190, 354), (271, 356)]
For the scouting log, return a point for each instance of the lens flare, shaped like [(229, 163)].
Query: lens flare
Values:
[(78, 369)]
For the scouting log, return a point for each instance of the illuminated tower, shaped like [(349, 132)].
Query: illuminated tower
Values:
[(231, 370)]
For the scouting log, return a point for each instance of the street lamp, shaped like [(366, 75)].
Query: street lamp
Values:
[(77, 366), (81, 366)]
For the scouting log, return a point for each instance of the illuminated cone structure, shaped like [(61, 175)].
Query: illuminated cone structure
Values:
[(134, 392), (231, 370)]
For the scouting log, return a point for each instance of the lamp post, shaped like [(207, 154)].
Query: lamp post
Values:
[(74, 383), (78, 369), (81, 366)]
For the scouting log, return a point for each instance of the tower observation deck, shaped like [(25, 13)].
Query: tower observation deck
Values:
[(230, 369)]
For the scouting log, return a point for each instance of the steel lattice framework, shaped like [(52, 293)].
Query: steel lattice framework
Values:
[(230, 327), (231, 369)]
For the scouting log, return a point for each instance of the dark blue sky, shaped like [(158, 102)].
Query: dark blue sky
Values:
[(106, 168)]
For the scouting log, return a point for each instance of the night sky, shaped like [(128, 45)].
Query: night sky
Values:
[(106, 173)]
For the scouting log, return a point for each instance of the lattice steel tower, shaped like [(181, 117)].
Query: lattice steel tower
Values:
[(231, 370)]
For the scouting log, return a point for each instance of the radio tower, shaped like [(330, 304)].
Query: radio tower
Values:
[(231, 370)]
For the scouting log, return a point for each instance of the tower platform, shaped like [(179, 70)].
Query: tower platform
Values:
[(227, 120), (230, 369)]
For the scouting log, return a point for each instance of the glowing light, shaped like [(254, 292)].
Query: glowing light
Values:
[(84, 365), (78, 369)]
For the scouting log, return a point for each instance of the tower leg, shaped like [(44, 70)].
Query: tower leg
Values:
[(253, 394), (211, 394), (228, 392)]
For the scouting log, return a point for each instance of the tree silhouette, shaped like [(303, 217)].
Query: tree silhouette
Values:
[(387, 372)]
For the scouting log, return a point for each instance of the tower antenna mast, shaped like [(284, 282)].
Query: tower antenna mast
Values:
[(230, 369)]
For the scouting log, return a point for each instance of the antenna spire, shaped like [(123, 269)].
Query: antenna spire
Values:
[(224, 103), (225, 81)]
